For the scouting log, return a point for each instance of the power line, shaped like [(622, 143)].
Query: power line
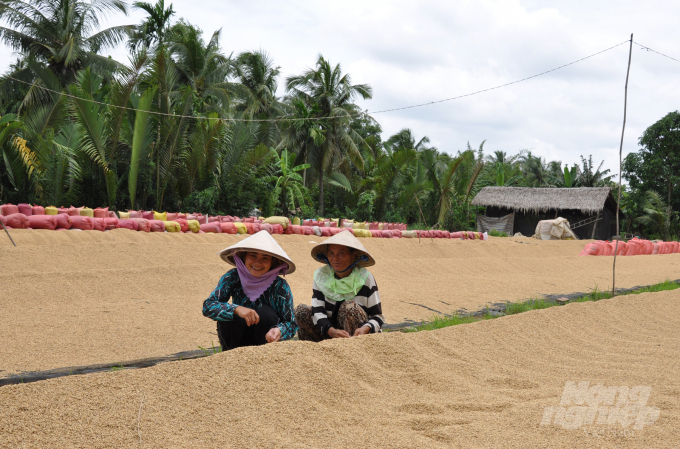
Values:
[(502, 85), (644, 47), (323, 118)]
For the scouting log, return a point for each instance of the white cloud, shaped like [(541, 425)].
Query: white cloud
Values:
[(416, 52)]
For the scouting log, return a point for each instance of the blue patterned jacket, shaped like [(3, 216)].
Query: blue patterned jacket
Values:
[(278, 296)]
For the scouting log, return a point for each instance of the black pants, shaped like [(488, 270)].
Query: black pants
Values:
[(236, 333)]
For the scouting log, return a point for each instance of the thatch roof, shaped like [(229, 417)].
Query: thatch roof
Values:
[(588, 200)]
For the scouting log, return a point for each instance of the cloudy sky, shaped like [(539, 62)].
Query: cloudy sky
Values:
[(416, 52)]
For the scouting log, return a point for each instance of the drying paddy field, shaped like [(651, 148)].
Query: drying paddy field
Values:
[(80, 298)]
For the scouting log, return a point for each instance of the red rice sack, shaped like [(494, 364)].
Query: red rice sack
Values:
[(308, 230), (99, 224), (325, 232), (214, 219), (457, 235), (111, 223), (238, 220), (211, 227), (43, 222), (267, 227), (192, 217), (17, 221), (249, 220), (101, 213), (334, 231), (8, 209), (172, 216), (25, 209), (445, 234), (376, 233), (228, 228), (157, 226), (257, 227), (623, 249), (112, 214), (202, 219), (675, 247), (249, 228), (135, 214), (292, 229), (634, 248), (276, 228), (437, 234), (182, 216), (147, 215), (3, 220), (128, 224), (183, 224), (226, 218), (38, 210), (82, 223), (591, 249), (142, 224), (387, 234), (396, 234), (60, 210)]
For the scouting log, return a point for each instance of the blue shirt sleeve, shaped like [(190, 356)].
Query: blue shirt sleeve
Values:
[(216, 306), (285, 309)]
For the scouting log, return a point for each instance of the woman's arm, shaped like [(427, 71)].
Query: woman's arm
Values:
[(216, 306), (376, 320), (285, 309)]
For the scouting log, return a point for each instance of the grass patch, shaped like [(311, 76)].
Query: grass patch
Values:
[(496, 233), (513, 308)]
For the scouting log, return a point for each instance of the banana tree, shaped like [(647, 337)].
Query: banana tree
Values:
[(289, 186)]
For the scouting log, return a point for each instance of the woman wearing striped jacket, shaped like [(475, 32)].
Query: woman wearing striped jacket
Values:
[(345, 298)]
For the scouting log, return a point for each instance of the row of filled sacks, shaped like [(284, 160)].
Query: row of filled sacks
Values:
[(241, 228), (634, 247), (162, 216), (58, 222), (84, 223), (28, 210)]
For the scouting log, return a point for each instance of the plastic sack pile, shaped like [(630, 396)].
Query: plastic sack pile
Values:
[(634, 247), (25, 216)]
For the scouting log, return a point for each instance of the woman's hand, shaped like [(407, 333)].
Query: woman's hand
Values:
[(363, 330), (273, 335), (335, 333), (247, 314)]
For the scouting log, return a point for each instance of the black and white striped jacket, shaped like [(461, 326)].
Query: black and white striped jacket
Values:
[(325, 310)]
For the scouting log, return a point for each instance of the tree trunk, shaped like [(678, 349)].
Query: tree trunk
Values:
[(321, 193)]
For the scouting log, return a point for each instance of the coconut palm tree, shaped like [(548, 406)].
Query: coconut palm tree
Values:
[(656, 214), (64, 35), (154, 29), (333, 92), (588, 177)]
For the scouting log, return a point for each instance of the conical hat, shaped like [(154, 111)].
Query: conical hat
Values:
[(261, 242), (344, 238)]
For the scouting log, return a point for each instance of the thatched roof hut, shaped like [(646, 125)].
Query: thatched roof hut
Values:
[(595, 206)]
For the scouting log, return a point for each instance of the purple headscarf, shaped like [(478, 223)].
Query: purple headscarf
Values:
[(254, 286)]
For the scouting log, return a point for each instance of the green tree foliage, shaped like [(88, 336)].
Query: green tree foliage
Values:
[(656, 167), (184, 125)]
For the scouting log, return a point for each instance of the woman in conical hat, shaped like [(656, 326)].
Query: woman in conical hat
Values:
[(261, 309), (345, 298)]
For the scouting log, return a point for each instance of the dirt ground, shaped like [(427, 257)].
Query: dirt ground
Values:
[(485, 384), (72, 298)]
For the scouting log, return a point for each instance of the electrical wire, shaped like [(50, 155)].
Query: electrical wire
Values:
[(644, 47), (324, 118)]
